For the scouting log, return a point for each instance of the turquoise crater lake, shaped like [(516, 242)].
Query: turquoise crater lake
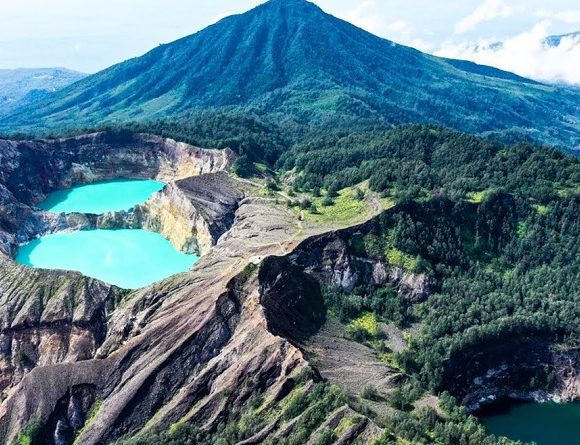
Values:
[(101, 197), (542, 423), (130, 259)]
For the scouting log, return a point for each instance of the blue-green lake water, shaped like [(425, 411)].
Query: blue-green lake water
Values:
[(101, 197), (130, 259), (542, 423)]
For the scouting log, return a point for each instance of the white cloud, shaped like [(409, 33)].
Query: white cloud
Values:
[(400, 26), (402, 32), (221, 16), (571, 16), (526, 54), (366, 16), (489, 10)]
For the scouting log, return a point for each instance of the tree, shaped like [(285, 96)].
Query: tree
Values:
[(243, 167)]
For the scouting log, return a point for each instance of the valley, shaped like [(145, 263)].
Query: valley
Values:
[(23, 86)]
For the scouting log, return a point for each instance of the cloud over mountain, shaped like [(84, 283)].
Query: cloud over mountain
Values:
[(488, 10), (534, 54)]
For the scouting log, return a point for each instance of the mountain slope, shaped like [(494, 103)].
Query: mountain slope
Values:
[(289, 58), (27, 84)]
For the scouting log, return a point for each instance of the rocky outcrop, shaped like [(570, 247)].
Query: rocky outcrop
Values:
[(529, 369), (12, 213), (48, 317), (191, 213), (333, 259)]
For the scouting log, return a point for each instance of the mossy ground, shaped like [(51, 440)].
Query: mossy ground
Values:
[(352, 205)]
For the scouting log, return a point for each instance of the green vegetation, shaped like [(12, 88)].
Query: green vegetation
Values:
[(416, 162), (402, 260), (30, 433), (310, 408), (477, 197), (426, 427), (362, 309), (346, 208), (423, 426), (511, 277), (90, 418), (370, 393), (541, 209), (364, 328), (503, 260)]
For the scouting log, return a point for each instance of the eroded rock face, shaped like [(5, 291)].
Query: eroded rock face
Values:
[(181, 348), (48, 317), (194, 346), (531, 369), (332, 259), (191, 213)]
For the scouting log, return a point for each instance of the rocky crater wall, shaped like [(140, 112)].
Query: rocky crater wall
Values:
[(530, 368), (51, 317), (334, 261), (192, 213), (29, 170), (32, 169), (48, 317)]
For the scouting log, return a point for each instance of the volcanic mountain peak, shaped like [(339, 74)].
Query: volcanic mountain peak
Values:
[(289, 59)]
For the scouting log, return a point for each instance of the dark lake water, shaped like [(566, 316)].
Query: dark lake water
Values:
[(542, 423)]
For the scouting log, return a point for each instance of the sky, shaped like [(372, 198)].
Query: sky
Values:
[(90, 35)]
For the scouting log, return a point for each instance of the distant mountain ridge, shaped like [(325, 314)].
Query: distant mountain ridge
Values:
[(18, 86), (551, 41), (287, 59)]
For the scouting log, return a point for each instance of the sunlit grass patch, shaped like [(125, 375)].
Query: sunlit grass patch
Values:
[(364, 328), (541, 209), (477, 197), (403, 260), (349, 207)]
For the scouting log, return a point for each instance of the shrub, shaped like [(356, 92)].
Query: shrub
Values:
[(30, 433), (243, 167), (328, 437), (369, 392)]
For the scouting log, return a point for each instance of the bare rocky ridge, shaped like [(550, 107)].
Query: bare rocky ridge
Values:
[(51, 317), (48, 317)]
